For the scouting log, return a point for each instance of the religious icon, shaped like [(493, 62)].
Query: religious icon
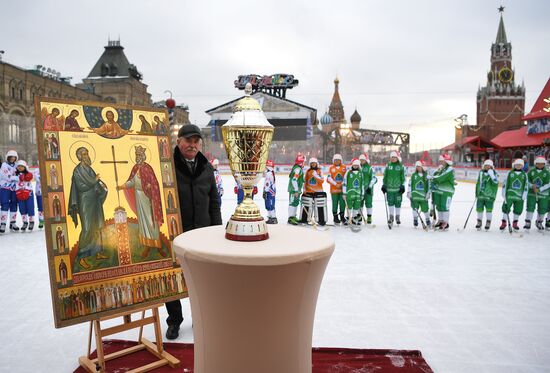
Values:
[(110, 214), (146, 128), (51, 146), (56, 207), (145, 201), (160, 127), (111, 128), (71, 124), (52, 121), (86, 200), (53, 177), (167, 174), (63, 272), (60, 240)]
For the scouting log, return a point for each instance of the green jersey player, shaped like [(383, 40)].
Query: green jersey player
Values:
[(393, 184), (443, 189), (514, 192), (419, 193), (369, 180), (538, 181), (353, 192), (486, 192), (295, 184)]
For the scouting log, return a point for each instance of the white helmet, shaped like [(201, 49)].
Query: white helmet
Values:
[(356, 162), (22, 163), (418, 164), (364, 157), (215, 162), (11, 153), (335, 157), (488, 162), (394, 154), (313, 160), (518, 161), (540, 159)]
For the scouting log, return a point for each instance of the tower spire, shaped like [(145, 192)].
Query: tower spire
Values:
[(501, 33)]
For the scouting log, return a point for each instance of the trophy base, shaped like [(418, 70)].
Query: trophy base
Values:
[(246, 230)]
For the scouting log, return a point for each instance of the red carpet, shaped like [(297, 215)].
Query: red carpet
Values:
[(325, 360)]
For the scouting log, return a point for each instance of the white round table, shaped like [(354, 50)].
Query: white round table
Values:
[(253, 303)]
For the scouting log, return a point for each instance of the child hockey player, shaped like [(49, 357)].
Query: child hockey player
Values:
[(8, 198), (269, 192), (314, 200), (369, 180), (335, 178), (486, 192), (393, 186), (38, 195), (419, 193), (353, 192), (538, 181), (443, 189), (514, 192), (25, 197), (295, 183), (239, 191), (218, 177)]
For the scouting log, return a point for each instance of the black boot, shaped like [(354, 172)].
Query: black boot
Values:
[(343, 219), (415, 222), (539, 225), (527, 224), (479, 223), (40, 223), (274, 221), (502, 225), (548, 224), (515, 225), (487, 225), (336, 218), (3, 228), (397, 219), (31, 226), (24, 227), (13, 227), (390, 220)]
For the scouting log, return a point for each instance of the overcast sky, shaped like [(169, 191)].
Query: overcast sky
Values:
[(406, 65)]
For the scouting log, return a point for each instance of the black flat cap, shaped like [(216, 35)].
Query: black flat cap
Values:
[(189, 130)]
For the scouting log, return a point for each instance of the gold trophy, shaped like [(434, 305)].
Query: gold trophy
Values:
[(247, 137)]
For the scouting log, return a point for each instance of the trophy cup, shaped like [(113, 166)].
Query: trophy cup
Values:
[(247, 137)]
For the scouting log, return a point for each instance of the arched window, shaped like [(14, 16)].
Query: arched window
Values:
[(13, 130)]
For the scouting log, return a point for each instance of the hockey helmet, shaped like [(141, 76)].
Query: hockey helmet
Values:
[(355, 162), (313, 160), (364, 157), (11, 153), (488, 162), (21, 163), (300, 159), (540, 159), (337, 157), (215, 162), (446, 158), (270, 163), (517, 162)]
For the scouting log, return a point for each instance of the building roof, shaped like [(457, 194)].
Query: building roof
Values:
[(519, 138), (541, 108), (476, 144), (256, 95), (355, 117), (326, 119), (501, 33), (113, 63)]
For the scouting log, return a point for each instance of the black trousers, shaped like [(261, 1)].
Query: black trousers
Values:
[(175, 316)]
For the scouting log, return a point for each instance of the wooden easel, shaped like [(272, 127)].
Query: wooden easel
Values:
[(98, 364)]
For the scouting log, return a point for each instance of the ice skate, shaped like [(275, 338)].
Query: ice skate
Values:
[(13, 227), (527, 224), (369, 219), (503, 225), (487, 225), (336, 219), (515, 225), (3, 228), (397, 219), (479, 224), (24, 226), (444, 226), (539, 225), (390, 220), (40, 223), (31, 226), (415, 222)]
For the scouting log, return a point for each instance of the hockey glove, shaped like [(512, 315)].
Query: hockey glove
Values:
[(401, 189), (384, 189)]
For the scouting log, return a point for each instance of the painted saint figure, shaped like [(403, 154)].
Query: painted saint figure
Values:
[(111, 129), (160, 127), (60, 240), (146, 128), (52, 149), (71, 124), (63, 273), (167, 175), (88, 193), (170, 201), (53, 177), (52, 122), (56, 206), (142, 192)]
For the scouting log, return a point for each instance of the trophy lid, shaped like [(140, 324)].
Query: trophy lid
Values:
[(248, 112)]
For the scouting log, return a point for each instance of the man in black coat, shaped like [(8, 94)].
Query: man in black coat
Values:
[(198, 195)]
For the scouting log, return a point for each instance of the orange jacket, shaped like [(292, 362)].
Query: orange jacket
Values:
[(313, 184), (336, 178)]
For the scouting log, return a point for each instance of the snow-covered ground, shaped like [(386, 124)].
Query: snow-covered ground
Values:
[(471, 301)]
